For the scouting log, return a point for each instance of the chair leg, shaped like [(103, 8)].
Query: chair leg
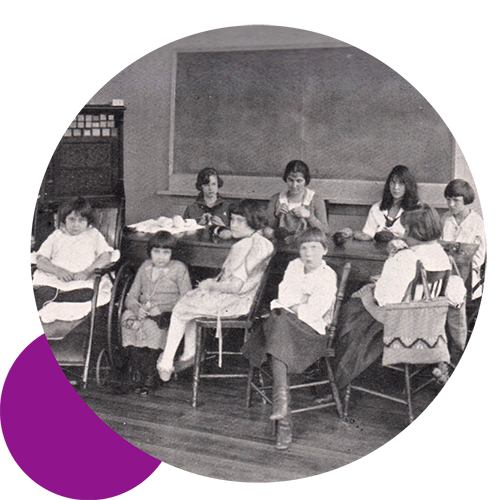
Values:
[(408, 392), (251, 373), (335, 389), (197, 365), (346, 400)]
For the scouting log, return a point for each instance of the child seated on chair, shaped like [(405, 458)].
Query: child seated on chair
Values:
[(359, 341), (463, 225), (63, 282), (295, 333), (230, 294), (158, 285)]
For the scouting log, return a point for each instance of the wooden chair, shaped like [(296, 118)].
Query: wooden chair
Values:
[(433, 286), (244, 323), (322, 369)]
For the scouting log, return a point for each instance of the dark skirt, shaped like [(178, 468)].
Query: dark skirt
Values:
[(287, 338), (359, 342)]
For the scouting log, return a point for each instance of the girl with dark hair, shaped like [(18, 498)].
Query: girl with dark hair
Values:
[(297, 207), (158, 285), (65, 263), (400, 194), (462, 224), (359, 341), (209, 209), (230, 294)]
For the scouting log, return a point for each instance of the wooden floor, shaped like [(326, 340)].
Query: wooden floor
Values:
[(222, 439)]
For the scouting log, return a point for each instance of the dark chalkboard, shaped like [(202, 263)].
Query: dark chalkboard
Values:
[(343, 112)]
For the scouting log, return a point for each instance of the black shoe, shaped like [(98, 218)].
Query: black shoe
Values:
[(144, 392)]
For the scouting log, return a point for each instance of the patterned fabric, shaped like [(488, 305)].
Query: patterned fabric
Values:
[(74, 253), (164, 293)]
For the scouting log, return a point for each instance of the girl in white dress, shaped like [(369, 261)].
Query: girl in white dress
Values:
[(463, 225), (230, 294), (63, 282), (384, 218)]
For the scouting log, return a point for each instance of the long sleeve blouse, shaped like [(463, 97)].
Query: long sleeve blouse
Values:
[(377, 220), (470, 230), (399, 270), (313, 293), (163, 292), (312, 201)]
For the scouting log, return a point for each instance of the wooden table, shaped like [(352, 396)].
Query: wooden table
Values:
[(199, 249)]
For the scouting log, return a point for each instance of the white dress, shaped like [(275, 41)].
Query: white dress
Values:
[(74, 253), (377, 220), (243, 262), (470, 230)]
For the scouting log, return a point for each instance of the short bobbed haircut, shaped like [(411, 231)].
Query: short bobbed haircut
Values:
[(204, 178), (161, 239), (80, 206), (311, 234), (253, 212), (297, 166), (459, 187), (422, 223), (410, 198)]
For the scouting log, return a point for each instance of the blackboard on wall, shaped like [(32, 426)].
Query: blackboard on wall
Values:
[(346, 114)]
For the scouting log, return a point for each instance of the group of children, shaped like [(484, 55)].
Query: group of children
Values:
[(161, 306)]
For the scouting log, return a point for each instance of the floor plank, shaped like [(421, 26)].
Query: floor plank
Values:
[(222, 439)]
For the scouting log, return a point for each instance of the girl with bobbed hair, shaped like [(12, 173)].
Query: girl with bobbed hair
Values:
[(463, 225), (230, 294), (297, 207), (359, 341), (209, 209), (384, 219)]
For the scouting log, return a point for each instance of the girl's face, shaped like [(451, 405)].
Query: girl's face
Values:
[(239, 227), (456, 205), (397, 188), (311, 254), (76, 224), (210, 189), (161, 256), (296, 183)]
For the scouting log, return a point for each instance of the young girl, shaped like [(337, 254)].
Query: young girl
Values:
[(65, 262), (295, 332), (384, 218), (297, 207), (463, 225), (158, 285), (209, 209), (359, 341), (231, 294)]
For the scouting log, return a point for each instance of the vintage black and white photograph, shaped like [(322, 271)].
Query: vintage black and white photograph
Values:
[(258, 254)]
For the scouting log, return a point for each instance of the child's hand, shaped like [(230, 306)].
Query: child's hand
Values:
[(142, 313), (64, 274), (225, 234), (82, 275), (205, 220), (206, 284), (301, 212), (154, 311), (216, 221), (283, 209), (394, 246)]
